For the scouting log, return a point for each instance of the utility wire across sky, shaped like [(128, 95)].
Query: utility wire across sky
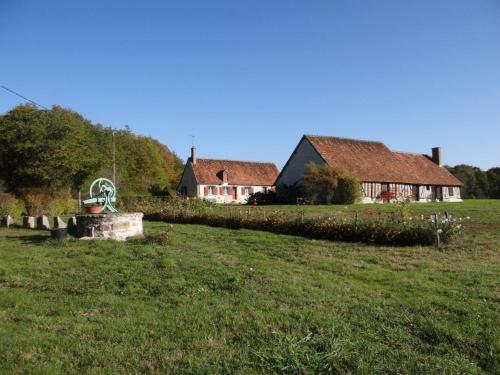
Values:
[(25, 98)]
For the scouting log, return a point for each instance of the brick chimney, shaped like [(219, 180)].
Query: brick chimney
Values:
[(436, 155), (193, 155)]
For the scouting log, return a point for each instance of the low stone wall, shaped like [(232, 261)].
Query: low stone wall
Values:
[(116, 226)]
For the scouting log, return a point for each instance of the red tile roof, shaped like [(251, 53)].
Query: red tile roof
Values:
[(374, 162), (209, 171)]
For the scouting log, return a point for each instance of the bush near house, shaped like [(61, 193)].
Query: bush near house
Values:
[(324, 184), (261, 198)]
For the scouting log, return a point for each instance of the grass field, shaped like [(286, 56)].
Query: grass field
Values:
[(237, 301)]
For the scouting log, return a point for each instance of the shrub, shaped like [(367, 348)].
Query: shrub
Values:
[(46, 201), (319, 182), (392, 229), (286, 194), (10, 205), (348, 190), (161, 238), (324, 184), (262, 198), (151, 205)]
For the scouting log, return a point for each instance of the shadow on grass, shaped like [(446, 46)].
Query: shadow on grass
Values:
[(34, 239)]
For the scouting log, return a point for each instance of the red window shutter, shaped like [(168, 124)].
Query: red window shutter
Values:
[(221, 190), (251, 190), (242, 190), (206, 191)]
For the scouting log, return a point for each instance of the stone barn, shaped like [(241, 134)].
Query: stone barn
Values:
[(225, 181), (384, 174)]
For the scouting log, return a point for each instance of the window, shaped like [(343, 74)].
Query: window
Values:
[(212, 190), (247, 190), (226, 190), (450, 191), (385, 187), (428, 187)]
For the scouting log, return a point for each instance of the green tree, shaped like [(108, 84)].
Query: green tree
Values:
[(58, 149), (475, 181), (324, 184), (50, 148), (141, 163), (493, 175)]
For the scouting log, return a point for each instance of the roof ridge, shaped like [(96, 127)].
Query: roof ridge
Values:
[(238, 161), (409, 153), (342, 138)]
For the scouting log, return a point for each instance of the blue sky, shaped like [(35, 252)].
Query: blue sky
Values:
[(248, 78)]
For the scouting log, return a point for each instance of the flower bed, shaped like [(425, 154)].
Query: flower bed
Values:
[(383, 230)]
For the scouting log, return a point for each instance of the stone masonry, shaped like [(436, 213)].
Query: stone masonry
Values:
[(116, 226)]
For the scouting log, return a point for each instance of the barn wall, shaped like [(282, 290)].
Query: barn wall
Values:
[(425, 193), (371, 191), (296, 166), (189, 181), (455, 197)]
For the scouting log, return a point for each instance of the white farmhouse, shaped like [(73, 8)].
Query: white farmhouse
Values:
[(225, 181), (384, 174)]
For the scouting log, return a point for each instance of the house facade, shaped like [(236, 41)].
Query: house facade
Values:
[(225, 181), (384, 174)]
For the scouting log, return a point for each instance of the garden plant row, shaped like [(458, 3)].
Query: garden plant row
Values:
[(389, 229)]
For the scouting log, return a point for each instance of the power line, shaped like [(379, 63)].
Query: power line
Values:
[(25, 98)]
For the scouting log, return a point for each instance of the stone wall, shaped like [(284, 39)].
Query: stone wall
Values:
[(116, 226)]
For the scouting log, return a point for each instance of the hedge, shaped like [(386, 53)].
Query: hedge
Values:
[(404, 232)]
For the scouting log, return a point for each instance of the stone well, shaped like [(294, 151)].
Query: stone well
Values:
[(113, 225)]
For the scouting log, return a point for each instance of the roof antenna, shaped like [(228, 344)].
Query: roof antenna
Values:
[(25, 98), (192, 139)]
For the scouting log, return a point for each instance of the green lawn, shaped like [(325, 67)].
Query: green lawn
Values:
[(238, 301)]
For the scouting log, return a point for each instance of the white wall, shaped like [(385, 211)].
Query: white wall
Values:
[(408, 191), (296, 166), (217, 198), (456, 197)]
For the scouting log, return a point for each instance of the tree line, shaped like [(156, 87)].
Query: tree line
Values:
[(58, 149), (476, 182)]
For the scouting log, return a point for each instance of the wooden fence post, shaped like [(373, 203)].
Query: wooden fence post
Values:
[(436, 218)]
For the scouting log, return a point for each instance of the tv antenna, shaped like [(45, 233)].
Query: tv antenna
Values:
[(192, 139), (25, 98)]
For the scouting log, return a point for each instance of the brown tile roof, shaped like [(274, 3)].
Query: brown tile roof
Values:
[(209, 171), (374, 162)]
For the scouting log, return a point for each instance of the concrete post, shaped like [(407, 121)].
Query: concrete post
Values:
[(7, 221), (42, 222), (59, 223), (29, 222)]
